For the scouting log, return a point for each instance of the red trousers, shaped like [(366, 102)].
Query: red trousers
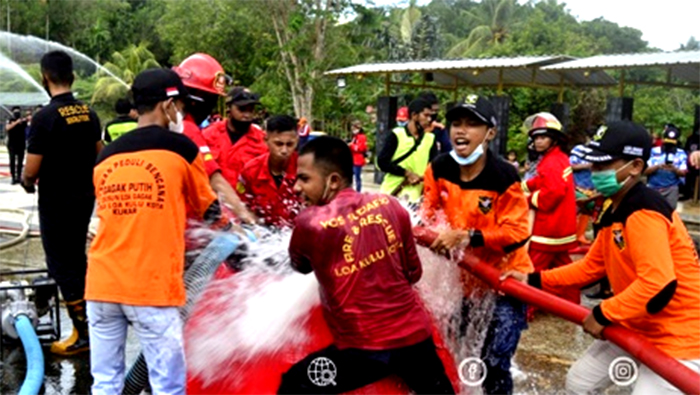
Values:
[(543, 260)]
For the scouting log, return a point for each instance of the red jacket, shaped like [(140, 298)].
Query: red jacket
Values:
[(277, 206), (552, 196), (362, 251), (195, 134), (358, 146), (232, 157)]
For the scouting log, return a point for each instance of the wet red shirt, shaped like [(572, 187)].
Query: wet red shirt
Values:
[(193, 131), (232, 157), (361, 248), (275, 205)]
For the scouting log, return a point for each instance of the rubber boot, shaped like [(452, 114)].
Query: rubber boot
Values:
[(78, 342), (581, 226)]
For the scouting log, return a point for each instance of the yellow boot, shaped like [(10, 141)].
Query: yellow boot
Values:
[(78, 342)]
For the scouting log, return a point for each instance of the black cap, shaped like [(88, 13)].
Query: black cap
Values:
[(475, 105), (621, 139), (241, 96), (671, 135), (156, 85)]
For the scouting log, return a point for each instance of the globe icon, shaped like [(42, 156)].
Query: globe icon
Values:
[(322, 372)]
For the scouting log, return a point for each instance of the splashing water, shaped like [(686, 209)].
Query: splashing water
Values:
[(30, 49), (10, 70), (264, 309)]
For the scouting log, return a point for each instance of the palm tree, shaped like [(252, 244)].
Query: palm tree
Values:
[(493, 21), (125, 64)]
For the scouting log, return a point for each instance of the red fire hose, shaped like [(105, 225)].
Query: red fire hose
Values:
[(664, 365)]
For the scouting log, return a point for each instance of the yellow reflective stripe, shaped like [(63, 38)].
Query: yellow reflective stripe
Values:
[(535, 196), (524, 186), (567, 172), (553, 242)]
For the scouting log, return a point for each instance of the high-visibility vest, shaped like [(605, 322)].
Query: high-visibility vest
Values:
[(117, 129), (417, 162)]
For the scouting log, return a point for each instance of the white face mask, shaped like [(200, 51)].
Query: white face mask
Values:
[(178, 126)]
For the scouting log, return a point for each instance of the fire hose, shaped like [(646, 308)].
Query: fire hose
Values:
[(661, 363)]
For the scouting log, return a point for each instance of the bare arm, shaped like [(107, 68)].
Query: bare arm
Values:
[(229, 196), (582, 166), (31, 171), (99, 146)]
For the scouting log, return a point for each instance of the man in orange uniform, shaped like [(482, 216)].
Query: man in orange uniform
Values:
[(143, 182), (205, 81), (481, 197), (236, 140), (266, 184), (552, 196), (646, 252)]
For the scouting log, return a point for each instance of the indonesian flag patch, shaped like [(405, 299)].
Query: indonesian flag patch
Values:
[(172, 91)]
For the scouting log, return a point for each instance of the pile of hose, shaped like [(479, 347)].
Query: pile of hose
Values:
[(661, 363), (196, 278)]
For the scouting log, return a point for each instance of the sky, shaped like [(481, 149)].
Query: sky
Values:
[(665, 25)]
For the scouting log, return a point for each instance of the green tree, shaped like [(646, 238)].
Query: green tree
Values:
[(691, 45), (125, 64), (494, 21)]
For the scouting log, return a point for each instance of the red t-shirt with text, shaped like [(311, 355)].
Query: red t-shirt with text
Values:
[(361, 248)]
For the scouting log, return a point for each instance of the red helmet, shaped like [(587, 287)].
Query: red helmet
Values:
[(402, 114), (542, 123), (201, 71)]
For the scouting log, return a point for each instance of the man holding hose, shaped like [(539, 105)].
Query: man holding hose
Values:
[(646, 252)]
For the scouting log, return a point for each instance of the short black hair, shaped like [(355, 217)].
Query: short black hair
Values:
[(429, 97), (16, 108), (145, 108), (57, 66), (417, 106), (123, 106), (332, 154), (280, 124)]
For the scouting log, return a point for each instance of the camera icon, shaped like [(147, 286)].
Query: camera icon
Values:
[(623, 371)]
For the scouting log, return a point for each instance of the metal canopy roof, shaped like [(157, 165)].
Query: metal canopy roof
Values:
[(683, 65), (495, 72)]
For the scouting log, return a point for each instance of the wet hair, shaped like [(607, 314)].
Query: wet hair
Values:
[(332, 155), (429, 97), (123, 106), (57, 66), (417, 106), (280, 124)]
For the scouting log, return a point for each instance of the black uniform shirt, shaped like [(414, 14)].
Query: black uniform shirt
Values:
[(65, 133)]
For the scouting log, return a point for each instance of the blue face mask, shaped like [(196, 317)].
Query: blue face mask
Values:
[(469, 160), (472, 158)]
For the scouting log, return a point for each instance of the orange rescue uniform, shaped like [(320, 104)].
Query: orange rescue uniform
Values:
[(143, 182), (646, 252), (493, 205)]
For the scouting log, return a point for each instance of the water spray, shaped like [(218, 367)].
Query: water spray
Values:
[(39, 46)]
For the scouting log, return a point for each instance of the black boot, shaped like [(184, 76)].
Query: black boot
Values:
[(79, 341)]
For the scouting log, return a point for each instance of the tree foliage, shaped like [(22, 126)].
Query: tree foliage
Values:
[(282, 48)]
